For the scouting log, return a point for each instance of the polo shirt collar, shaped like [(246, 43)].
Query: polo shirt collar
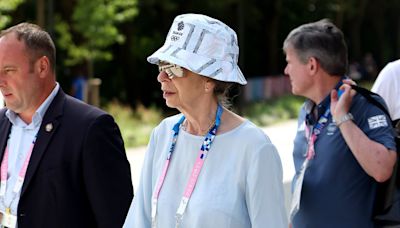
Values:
[(309, 105)]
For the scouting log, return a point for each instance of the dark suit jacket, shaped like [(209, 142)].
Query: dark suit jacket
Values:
[(78, 175)]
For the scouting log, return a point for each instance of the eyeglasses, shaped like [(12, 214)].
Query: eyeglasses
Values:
[(172, 70)]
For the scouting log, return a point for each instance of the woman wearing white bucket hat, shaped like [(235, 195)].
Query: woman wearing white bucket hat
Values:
[(206, 167)]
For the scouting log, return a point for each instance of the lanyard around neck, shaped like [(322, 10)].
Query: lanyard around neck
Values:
[(21, 174), (312, 134), (205, 148)]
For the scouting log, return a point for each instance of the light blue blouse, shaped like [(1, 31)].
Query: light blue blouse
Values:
[(239, 186)]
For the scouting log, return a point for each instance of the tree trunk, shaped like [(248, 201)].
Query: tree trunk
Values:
[(355, 30), (40, 13), (273, 45), (398, 38)]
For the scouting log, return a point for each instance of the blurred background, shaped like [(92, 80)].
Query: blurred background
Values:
[(103, 45)]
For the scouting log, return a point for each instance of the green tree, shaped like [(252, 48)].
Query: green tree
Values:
[(6, 7), (92, 28)]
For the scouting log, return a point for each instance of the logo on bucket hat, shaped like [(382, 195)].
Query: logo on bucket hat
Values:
[(181, 25), (176, 35), (174, 38), (203, 45)]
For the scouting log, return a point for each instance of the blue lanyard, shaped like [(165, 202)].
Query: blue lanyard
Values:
[(323, 120), (205, 147), (315, 131), (208, 139)]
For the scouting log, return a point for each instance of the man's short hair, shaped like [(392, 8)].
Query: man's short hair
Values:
[(323, 41), (37, 41)]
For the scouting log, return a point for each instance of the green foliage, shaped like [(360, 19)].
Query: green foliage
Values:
[(366, 84), (287, 107), (273, 111), (93, 29), (136, 125), (90, 32), (7, 6)]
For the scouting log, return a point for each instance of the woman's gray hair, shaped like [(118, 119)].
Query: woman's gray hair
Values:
[(323, 41), (221, 91)]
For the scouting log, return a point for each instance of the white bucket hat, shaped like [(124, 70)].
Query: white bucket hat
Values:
[(202, 45)]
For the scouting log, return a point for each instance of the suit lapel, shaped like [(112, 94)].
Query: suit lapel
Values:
[(48, 128), (5, 127)]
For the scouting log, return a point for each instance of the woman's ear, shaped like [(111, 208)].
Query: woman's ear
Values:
[(209, 85)]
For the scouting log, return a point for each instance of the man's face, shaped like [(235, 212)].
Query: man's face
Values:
[(19, 83), (298, 73)]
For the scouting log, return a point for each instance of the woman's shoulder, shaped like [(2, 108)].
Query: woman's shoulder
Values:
[(253, 132), (246, 131)]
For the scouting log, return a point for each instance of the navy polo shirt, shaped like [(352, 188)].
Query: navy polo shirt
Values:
[(336, 191)]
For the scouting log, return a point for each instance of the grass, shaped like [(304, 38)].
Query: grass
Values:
[(270, 112), (366, 84), (136, 125), (283, 108)]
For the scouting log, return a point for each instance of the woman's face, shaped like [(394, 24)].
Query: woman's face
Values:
[(182, 92)]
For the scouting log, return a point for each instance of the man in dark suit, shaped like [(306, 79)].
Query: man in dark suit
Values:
[(63, 162)]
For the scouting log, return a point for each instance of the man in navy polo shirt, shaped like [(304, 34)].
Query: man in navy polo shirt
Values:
[(344, 145)]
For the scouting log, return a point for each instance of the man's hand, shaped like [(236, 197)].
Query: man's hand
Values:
[(341, 106)]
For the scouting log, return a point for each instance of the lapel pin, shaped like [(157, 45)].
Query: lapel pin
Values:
[(49, 127)]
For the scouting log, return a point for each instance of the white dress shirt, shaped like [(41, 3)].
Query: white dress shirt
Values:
[(19, 143)]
